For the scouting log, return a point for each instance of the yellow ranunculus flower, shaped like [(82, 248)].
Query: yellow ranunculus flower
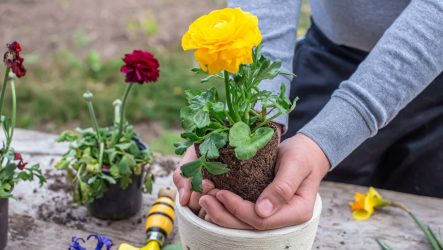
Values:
[(364, 204), (223, 39)]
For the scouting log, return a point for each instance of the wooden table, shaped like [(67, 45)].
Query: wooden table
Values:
[(46, 219)]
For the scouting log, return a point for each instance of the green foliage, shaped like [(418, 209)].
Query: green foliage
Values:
[(95, 165), (246, 144), (12, 166), (194, 169), (214, 124)]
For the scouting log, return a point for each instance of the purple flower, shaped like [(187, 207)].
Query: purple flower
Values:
[(101, 241), (75, 244)]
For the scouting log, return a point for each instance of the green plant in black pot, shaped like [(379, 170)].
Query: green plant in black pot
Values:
[(13, 168), (108, 166)]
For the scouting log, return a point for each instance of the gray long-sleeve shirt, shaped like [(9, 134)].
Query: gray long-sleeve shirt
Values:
[(405, 40)]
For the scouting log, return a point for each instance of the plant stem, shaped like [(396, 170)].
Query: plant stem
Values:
[(228, 94), (123, 111), (14, 111), (102, 148), (5, 82), (94, 120)]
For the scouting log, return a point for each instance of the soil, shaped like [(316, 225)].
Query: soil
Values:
[(63, 211), (247, 178), (108, 27)]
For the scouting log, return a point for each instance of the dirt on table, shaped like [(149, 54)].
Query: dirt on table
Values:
[(108, 27), (63, 211)]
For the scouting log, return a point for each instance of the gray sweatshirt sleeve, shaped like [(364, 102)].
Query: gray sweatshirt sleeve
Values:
[(278, 20), (407, 58)]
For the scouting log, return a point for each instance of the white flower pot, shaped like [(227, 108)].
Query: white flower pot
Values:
[(198, 234)]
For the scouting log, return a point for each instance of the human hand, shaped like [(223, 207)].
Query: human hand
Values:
[(288, 200), (187, 197)]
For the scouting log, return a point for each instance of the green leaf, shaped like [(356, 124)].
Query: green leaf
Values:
[(126, 164), (67, 136), (239, 134), (114, 171), (181, 147), (196, 183), (217, 109), (383, 245), (192, 168), (247, 144), (109, 179), (216, 168), (210, 147), (148, 183), (187, 118), (201, 119)]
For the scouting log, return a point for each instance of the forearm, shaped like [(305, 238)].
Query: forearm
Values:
[(278, 20), (405, 60)]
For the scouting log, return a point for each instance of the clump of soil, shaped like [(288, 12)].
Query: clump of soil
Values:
[(247, 178), (20, 226)]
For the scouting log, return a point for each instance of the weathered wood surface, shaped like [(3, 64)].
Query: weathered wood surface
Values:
[(45, 218)]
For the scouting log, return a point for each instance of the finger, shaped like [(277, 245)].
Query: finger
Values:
[(195, 196), (184, 185), (219, 215), (283, 187), (297, 211), (202, 213)]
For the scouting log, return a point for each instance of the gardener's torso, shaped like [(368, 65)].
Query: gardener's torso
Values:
[(356, 23)]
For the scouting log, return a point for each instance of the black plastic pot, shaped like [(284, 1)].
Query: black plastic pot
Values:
[(118, 203), (3, 223)]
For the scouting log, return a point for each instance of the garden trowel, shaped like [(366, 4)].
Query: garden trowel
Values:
[(159, 222)]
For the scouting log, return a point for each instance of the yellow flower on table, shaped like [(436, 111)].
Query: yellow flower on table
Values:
[(364, 204), (223, 39)]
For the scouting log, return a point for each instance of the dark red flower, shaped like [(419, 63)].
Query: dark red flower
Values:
[(21, 163), (13, 60), (140, 67), (15, 47), (106, 167)]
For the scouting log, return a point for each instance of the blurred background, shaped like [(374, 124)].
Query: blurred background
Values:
[(71, 46)]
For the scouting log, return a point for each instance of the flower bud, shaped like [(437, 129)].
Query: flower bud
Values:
[(88, 96), (117, 103)]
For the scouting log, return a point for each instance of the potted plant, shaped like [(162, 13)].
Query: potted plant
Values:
[(108, 165), (13, 168), (235, 140)]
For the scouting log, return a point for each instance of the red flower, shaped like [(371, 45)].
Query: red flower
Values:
[(15, 47), (21, 164), (13, 60), (140, 67)]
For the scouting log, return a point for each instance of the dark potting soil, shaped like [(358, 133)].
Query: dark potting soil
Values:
[(247, 178)]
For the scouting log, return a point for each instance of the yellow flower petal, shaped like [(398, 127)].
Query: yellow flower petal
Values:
[(223, 39)]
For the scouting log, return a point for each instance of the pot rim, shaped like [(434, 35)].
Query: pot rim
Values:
[(190, 218)]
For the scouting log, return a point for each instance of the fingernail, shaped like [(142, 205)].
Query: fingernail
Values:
[(180, 194), (265, 207), (203, 203)]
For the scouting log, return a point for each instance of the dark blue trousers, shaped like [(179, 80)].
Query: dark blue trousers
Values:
[(406, 155)]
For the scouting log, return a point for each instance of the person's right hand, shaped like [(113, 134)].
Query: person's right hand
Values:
[(186, 196)]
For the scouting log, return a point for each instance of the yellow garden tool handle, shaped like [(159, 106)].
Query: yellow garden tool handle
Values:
[(159, 222), (152, 245), (161, 216)]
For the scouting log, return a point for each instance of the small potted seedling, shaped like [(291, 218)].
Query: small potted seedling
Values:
[(235, 140), (109, 166), (13, 168)]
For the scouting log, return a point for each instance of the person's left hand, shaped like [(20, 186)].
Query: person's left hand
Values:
[(288, 200)]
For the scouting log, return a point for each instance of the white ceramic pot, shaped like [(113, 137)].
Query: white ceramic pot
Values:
[(198, 234)]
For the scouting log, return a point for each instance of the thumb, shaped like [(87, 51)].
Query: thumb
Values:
[(290, 175)]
